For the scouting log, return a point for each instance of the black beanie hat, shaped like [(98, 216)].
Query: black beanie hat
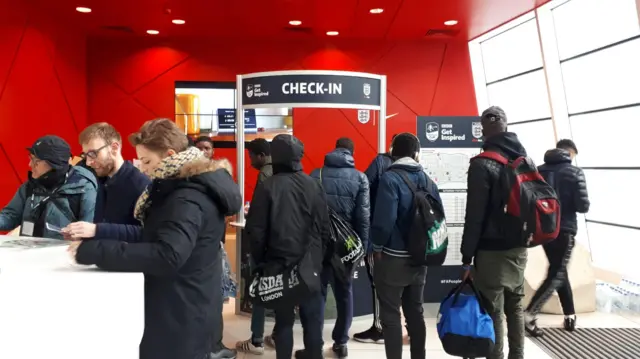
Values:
[(405, 145)]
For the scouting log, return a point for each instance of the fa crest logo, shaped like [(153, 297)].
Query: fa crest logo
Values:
[(249, 91), (366, 89), (476, 129), (432, 131)]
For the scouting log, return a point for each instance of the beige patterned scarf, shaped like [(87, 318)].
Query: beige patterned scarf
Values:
[(169, 167)]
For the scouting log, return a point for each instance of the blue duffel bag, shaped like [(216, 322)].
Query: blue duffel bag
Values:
[(464, 326)]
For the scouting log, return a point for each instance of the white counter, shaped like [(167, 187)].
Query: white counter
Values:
[(51, 308)]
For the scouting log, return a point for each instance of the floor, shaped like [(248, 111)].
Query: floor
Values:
[(237, 328)]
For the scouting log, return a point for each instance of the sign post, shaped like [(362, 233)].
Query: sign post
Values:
[(446, 146), (304, 89)]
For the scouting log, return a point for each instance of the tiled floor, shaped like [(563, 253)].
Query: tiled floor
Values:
[(237, 328)]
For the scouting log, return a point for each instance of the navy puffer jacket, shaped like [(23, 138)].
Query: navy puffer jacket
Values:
[(347, 190)]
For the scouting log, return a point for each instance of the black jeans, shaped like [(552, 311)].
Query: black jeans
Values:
[(559, 253), (312, 321), (401, 285), (342, 292)]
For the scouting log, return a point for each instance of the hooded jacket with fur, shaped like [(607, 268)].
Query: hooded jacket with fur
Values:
[(179, 253)]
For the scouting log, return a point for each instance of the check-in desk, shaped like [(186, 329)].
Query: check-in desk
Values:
[(52, 308)]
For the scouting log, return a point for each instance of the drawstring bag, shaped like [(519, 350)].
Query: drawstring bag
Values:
[(464, 326)]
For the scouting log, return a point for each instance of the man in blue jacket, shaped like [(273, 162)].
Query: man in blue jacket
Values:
[(120, 186), (398, 282), (347, 191)]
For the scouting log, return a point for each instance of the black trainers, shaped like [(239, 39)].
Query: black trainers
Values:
[(303, 354), (371, 335), (340, 350), (224, 353), (531, 326), (570, 323)]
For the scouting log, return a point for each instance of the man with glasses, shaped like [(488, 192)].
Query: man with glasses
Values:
[(55, 194), (120, 186)]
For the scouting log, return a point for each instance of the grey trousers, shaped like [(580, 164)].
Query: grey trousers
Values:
[(398, 284)]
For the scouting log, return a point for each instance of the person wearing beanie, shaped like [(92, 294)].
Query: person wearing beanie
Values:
[(400, 284), (288, 225), (483, 239), (54, 195)]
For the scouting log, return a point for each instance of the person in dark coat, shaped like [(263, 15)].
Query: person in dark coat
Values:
[(260, 156), (289, 219), (205, 144), (347, 191), (571, 187), (120, 185), (484, 241), (182, 214), (380, 163)]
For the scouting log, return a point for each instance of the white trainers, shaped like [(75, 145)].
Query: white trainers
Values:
[(248, 347)]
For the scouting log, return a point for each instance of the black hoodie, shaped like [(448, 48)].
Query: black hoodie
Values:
[(179, 254), (288, 214), (482, 229), (570, 185)]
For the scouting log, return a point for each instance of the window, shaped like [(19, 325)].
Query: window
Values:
[(604, 79), (522, 98), (512, 52), (607, 138), (536, 137), (615, 248), (614, 196), (585, 25)]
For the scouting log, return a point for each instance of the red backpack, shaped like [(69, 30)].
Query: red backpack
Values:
[(531, 206)]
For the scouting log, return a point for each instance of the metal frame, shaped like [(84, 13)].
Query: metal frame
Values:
[(240, 135)]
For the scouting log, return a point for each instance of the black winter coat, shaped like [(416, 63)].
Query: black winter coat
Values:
[(347, 190), (288, 214), (482, 221), (570, 185), (179, 254)]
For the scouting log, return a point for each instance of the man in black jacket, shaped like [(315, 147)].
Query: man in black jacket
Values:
[(571, 188), (499, 263), (120, 185), (347, 191), (289, 218)]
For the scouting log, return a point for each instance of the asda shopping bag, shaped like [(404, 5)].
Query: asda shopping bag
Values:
[(347, 247), (464, 326)]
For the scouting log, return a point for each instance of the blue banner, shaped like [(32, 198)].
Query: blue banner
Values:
[(449, 131), (227, 120)]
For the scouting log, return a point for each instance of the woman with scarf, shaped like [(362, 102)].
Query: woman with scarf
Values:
[(182, 214), (55, 195)]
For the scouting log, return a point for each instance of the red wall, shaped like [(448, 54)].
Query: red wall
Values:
[(131, 81), (42, 87)]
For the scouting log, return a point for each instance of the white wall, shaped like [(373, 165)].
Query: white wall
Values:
[(571, 69)]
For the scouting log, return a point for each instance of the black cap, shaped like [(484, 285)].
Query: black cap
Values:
[(494, 114), (53, 150)]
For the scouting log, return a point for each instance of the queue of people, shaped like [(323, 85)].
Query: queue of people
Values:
[(167, 220)]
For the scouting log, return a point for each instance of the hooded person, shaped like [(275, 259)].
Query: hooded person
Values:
[(484, 241), (287, 219), (182, 214), (54, 195)]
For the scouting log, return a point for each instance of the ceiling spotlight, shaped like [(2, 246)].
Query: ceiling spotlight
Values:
[(376, 11), (153, 32), (295, 22), (451, 22), (84, 10), (332, 33), (178, 22)]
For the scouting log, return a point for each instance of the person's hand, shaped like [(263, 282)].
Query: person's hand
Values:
[(466, 272), (73, 250), (79, 230), (377, 255)]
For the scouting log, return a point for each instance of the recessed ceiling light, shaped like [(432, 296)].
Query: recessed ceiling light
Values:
[(178, 22), (451, 22), (295, 22), (81, 9), (153, 32), (376, 11), (332, 33)]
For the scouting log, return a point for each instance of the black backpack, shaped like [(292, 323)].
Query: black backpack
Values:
[(427, 239)]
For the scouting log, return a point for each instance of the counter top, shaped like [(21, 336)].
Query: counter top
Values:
[(51, 307), (238, 224)]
